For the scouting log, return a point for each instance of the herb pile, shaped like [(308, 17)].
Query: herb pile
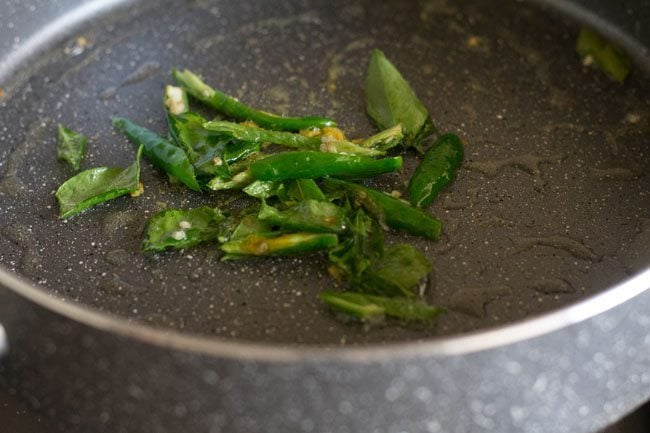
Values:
[(305, 176)]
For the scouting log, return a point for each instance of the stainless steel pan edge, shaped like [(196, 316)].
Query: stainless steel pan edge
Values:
[(579, 378), (560, 372)]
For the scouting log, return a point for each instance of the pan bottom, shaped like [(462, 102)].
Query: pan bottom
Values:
[(551, 205)]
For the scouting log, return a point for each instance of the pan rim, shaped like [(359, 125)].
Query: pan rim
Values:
[(464, 344)]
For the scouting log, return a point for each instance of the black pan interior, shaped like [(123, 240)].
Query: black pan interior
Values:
[(552, 203)]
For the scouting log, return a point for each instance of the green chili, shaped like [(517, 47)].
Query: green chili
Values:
[(310, 165), (386, 139), (288, 139), (393, 212), (287, 244), (306, 216), (175, 100), (237, 110), (161, 152), (436, 170), (259, 135)]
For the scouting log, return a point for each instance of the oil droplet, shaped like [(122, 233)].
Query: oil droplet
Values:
[(116, 286), (143, 72), (552, 286), (109, 93), (118, 257), (637, 254), (23, 237), (336, 68), (11, 183), (528, 163), (471, 197), (614, 173), (474, 300), (573, 247)]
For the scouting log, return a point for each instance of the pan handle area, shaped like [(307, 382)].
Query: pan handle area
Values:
[(4, 342)]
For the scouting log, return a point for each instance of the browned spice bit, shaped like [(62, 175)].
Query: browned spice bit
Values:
[(139, 191)]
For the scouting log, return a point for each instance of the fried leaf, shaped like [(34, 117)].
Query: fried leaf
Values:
[(70, 146), (204, 149), (178, 228), (398, 272), (97, 185), (366, 307), (390, 100), (606, 56), (358, 249)]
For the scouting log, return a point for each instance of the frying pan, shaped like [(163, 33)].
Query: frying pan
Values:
[(541, 265)]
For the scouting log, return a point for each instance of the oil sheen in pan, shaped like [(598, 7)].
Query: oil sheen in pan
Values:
[(551, 204)]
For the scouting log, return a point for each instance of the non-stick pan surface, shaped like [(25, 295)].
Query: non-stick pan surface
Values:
[(552, 203)]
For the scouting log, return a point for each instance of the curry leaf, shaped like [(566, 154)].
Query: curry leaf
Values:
[(178, 228), (398, 272), (97, 185), (390, 100), (70, 146), (362, 246), (606, 56)]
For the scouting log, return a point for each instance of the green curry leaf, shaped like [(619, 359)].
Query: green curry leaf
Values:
[(97, 185), (398, 272), (179, 228), (70, 146), (390, 100), (607, 57)]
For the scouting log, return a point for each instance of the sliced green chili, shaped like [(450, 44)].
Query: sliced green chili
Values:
[(306, 216), (97, 185), (237, 110), (161, 152), (287, 244), (310, 165), (288, 139), (71, 146), (175, 100), (436, 170), (393, 212), (386, 139), (259, 135)]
